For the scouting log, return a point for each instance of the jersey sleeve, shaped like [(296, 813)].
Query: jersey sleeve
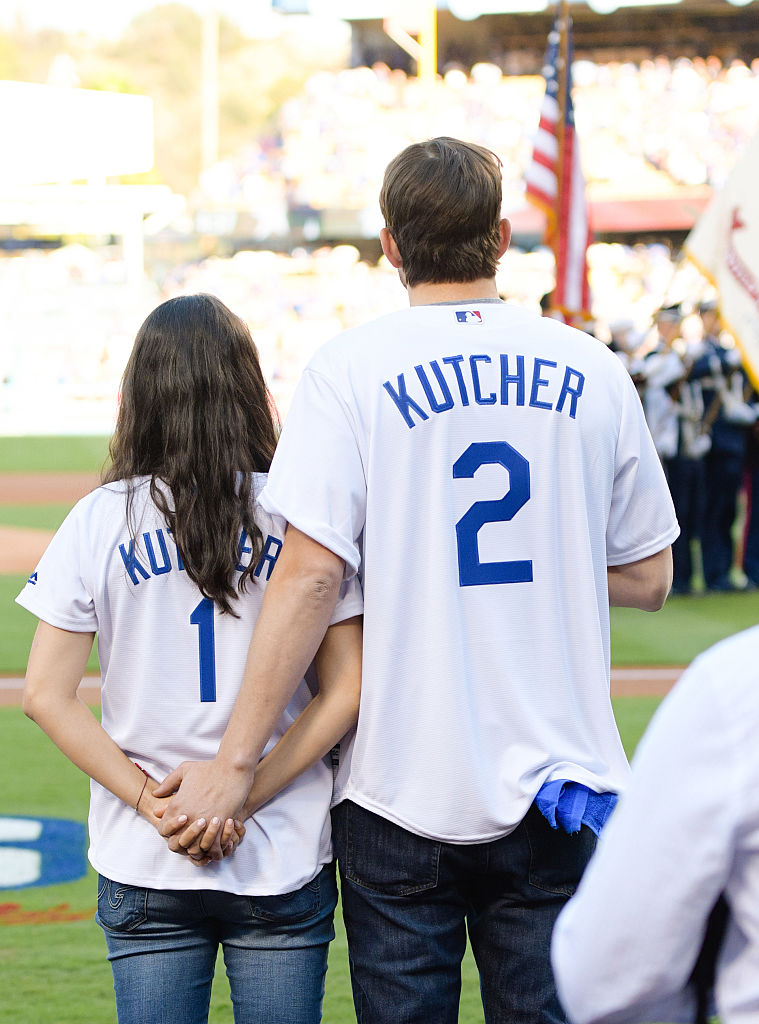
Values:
[(57, 591), (350, 601), (642, 518), (317, 481)]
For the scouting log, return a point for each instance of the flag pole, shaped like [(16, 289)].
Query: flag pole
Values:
[(555, 241)]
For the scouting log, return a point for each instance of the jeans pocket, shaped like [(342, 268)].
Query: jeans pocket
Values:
[(300, 905), (557, 859), (379, 855), (121, 908)]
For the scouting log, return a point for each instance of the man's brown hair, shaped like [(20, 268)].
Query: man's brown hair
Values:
[(441, 200)]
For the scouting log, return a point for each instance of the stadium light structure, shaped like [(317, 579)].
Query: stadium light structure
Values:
[(464, 10), (609, 6), (470, 10), (419, 18)]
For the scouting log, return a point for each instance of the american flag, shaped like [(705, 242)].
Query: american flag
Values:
[(555, 181)]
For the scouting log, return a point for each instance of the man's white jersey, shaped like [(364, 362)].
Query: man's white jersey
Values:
[(482, 466), (171, 666)]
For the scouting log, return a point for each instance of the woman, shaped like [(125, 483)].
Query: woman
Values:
[(167, 561)]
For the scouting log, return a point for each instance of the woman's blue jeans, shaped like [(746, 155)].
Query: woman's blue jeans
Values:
[(162, 945), (408, 903)]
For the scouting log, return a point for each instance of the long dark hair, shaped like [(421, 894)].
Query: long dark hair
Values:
[(196, 414)]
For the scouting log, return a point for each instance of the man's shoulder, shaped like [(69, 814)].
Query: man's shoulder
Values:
[(350, 353), (409, 330)]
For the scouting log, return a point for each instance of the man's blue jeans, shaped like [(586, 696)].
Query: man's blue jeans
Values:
[(408, 901), (162, 945)]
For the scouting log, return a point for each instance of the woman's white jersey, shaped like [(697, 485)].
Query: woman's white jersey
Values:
[(686, 830), (481, 466), (171, 667)]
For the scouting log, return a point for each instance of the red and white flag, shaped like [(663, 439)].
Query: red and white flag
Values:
[(724, 245), (555, 180)]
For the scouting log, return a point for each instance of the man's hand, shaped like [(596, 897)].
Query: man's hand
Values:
[(187, 839), (207, 791)]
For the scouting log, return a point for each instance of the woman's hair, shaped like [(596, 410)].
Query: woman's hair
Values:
[(196, 414), (441, 200)]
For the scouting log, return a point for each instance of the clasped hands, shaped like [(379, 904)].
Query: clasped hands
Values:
[(199, 810)]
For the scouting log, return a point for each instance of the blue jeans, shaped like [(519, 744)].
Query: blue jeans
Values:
[(162, 945), (408, 901)]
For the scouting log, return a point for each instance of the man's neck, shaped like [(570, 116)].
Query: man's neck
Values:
[(452, 291)]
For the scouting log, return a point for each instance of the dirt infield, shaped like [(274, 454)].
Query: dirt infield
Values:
[(42, 488), (625, 682), (12, 687), (20, 548)]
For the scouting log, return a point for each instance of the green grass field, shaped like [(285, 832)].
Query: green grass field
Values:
[(52, 454), (57, 973)]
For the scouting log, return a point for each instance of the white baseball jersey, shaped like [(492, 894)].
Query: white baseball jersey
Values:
[(483, 466), (686, 829), (171, 667)]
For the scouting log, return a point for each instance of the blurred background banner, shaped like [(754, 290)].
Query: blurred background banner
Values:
[(724, 245), (52, 133)]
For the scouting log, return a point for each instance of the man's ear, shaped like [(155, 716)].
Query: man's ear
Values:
[(390, 249), (505, 232)]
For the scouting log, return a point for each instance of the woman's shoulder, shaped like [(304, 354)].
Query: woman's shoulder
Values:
[(102, 502)]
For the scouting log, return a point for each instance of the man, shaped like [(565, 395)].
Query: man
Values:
[(674, 411), (663, 369), (723, 380), (686, 830), (491, 475)]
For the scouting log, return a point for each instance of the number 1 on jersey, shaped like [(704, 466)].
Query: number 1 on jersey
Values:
[(202, 617)]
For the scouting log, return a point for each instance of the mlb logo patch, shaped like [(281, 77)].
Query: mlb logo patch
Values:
[(469, 316)]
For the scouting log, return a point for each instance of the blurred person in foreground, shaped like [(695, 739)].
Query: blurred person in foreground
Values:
[(640, 942), (490, 473), (168, 562)]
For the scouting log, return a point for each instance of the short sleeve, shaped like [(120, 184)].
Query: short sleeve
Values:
[(317, 480), (350, 601), (57, 591), (642, 518)]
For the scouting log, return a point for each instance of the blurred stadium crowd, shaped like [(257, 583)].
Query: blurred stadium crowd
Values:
[(60, 369), (652, 126)]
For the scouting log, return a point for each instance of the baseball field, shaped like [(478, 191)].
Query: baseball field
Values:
[(52, 955)]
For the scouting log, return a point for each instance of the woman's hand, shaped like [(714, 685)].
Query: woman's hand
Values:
[(151, 807), (197, 839)]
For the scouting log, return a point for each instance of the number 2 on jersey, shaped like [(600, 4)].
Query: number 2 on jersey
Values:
[(202, 617), (473, 572)]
